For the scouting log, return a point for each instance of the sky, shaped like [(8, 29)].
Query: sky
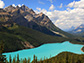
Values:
[(63, 13)]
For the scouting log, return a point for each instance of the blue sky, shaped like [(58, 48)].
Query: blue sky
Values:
[(38, 3), (65, 14)]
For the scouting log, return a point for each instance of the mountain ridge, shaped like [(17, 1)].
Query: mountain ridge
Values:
[(32, 19), (78, 29)]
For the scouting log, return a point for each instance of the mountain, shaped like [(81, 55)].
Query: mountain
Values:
[(21, 28), (79, 29), (17, 36), (67, 30), (25, 16)]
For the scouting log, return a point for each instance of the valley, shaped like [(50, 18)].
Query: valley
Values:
[(21, 31), (26, 33)]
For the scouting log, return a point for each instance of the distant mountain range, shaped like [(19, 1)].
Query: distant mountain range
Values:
[(69, 29), (21, 28), (78, 29)]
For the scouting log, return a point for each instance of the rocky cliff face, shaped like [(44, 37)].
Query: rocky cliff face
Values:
[(31, 16), (25, 16)]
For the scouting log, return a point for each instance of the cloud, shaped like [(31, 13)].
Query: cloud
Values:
[(51, 1), (41, 2), (67, 18), (38, 8), (22, 4), (52, 7), (68, 9), (76, 4), (61, 5), (1, 4), (71, 4)]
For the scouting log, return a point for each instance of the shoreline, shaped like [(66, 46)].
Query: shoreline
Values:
[(82, 49), (41, 45)]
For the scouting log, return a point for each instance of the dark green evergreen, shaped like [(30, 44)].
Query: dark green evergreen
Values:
[(10, 59), (64, 57), (2, 57)]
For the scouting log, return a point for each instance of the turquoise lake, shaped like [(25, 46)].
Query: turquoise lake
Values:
[(47, 50)]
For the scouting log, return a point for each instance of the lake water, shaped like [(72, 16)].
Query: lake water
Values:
[(47, 50)]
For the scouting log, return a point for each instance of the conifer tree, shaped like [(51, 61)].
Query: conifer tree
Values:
[(34, 59), (25, 61), (41, 60), (2, 57), (44, 61), (28, 60), (17, 58), (13, 60), (10, 60)]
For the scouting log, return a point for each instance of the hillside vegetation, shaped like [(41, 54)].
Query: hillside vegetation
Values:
[(66, 57), (14, 37), (17, 37)]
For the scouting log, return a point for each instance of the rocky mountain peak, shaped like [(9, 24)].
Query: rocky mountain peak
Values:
[(78, 29), (1, 10), (31, 12), (82, 25), (17, 7), (24, 8), (41, 14), (9, 8)]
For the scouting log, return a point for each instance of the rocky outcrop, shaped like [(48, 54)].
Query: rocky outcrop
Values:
[(82, 49), (27, 45)]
